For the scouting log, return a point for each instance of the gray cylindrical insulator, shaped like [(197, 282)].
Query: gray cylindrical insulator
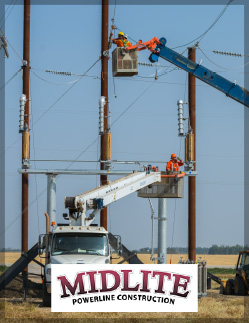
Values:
[(180, 118), (101, 114), (23, 101)]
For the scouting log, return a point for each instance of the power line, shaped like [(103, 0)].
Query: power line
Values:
[(79, 155), (212, 25), (12, 77), (8, 14), (226, 53), (63, 73), (225, 68), (14, 51), (64, 93), (114, 11), (54, 83), (130, 105), (6, 11)]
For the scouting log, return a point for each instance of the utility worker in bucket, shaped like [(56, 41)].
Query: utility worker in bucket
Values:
[(121, 41), (174, 163), (128, 44)]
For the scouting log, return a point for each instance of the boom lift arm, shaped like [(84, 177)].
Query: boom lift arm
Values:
[(102, 196), (158, 49)]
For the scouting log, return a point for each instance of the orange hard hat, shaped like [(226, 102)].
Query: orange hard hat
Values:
[(173, 156)]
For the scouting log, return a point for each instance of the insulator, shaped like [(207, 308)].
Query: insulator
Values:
[(59, 72), (102, 103), (23, 101), (227, 53), (180, 118), (189, 147)]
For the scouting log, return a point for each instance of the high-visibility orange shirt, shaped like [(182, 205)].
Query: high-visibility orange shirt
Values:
[(174, 166), (120, 42)]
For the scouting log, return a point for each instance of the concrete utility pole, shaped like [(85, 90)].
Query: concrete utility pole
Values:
[(25, 134), (192, 179), (162, 231), (105, 153)]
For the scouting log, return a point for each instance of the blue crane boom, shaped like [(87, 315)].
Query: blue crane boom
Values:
[(204, 74)]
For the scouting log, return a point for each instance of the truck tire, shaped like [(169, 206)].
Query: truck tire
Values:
[(46, 297), (229, 289), (239, 286)]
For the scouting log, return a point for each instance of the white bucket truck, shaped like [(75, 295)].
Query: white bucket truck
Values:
[(79, 241)]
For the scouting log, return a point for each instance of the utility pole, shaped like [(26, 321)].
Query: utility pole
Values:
[(162, 231), (25, 133), (192, 179), (105, 146)]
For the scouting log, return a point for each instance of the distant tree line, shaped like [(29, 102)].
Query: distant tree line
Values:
[(214, 250)]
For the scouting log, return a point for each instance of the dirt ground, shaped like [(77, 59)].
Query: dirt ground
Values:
[(14, 290)]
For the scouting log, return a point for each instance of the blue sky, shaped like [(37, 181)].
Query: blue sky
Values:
[(68, 38)]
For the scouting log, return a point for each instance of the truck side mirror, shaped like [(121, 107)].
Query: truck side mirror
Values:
[(118, 244), (41, 244)]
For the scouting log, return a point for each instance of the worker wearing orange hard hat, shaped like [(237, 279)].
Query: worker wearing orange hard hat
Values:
[(174, 163), (122, 40)]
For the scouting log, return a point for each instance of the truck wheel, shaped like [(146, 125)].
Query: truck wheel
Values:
[(229, 289), (46, 297), (239, 286)]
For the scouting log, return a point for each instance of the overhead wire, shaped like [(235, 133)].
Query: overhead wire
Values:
[(54, 83), (114, 11), (12, 77), (225, 68), (132, 103), (14, 50), (211, 26), (78, 156), (135, 79), (5, 12), (64, 93), (202, 35), (8, 14), (64, 73), (46, 111)]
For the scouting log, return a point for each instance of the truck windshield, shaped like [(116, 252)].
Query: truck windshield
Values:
[(80, 243)]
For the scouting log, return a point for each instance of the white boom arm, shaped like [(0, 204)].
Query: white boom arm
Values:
[(102, 196)]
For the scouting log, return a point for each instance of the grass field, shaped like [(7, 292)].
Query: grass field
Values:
[(214, 306), (11, 257)]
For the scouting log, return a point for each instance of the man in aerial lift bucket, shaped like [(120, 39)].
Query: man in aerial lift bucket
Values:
[(174, 163), (122, 40)]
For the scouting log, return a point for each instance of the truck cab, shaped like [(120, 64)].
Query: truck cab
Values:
[(72, 245)]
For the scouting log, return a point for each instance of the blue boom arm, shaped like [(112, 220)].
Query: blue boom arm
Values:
[(231, 90)]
